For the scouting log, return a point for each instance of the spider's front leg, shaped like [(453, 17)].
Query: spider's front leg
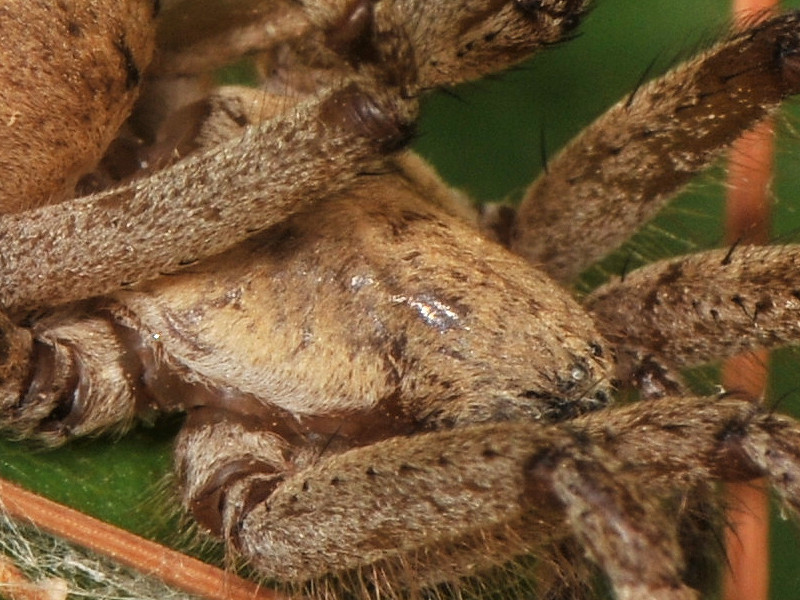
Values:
[(201, 205), (677, 443), (692, 310), (624, 167)]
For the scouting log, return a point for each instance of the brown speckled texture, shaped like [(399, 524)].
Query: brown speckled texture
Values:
[(379, 399)]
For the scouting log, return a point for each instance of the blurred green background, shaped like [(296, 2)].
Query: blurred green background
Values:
[(487, 138)]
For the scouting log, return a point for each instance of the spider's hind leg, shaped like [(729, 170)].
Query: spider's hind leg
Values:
[(471, 499)]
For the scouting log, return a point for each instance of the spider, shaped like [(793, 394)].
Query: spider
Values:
[(384, 391)]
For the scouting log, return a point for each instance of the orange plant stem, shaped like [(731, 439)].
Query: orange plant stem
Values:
[(748, 221), (747, 540), (149, 558)]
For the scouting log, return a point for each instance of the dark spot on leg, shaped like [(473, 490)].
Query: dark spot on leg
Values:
[(740, 302), (406, 469), (489, 453), (763, 306), (568, 12), (5, 348), (733, 462), (133, 74), (670, 275)]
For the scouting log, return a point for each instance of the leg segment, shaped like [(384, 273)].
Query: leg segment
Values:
[(428, 508), (94, 245), (624, 167), (222, 464), (66, 378), (453, 503), (698, 308), (678, 442), (195, 38)]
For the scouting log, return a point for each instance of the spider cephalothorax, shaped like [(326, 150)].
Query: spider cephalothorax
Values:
[(376, 392)]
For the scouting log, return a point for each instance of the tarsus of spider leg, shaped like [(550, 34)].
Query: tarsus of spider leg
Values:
[(748, 219), (173, 568)]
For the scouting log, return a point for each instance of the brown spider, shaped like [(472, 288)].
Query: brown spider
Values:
[(376, 394)]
